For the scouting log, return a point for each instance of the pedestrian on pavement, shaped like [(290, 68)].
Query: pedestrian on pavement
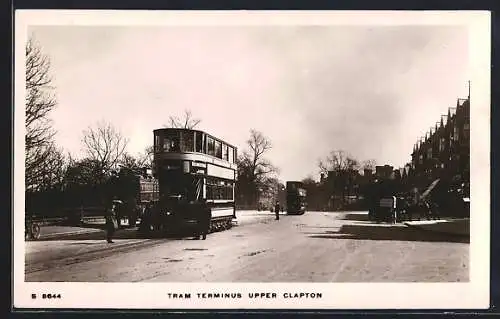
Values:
[(111, 223), (277, 210), (204, 217), (394, 217)]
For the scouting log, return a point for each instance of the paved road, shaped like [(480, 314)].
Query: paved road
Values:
[(315, 247)]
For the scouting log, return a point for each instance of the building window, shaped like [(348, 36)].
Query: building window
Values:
[(466, 131), (442, 143), (455, 132)]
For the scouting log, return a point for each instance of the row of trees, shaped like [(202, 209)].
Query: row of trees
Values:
[(344, 179), (50, 171)]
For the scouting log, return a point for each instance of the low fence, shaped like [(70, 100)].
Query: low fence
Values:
[(72, 216), (67, 221)]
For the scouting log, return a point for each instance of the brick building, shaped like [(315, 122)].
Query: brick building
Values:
[(444, 152), (384, 172)]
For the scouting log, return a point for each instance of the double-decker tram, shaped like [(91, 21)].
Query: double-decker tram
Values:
[(295, 198), (193, 168)]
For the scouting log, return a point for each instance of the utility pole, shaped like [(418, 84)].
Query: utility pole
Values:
[(469, 90)]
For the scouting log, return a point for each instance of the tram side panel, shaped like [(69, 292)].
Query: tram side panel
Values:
[(222, 204)]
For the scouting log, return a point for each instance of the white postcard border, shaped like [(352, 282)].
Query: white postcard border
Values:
[(471, 295)]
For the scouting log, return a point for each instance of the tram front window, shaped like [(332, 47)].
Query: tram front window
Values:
[(176, 141), (187, 141), (176, 185), (171, 142), (199, 142)]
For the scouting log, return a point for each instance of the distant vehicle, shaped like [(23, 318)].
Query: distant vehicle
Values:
[(385, 203), (295, 198), (390, 205), (193, 168)]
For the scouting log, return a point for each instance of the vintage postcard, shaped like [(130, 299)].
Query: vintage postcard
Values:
[(252, 159)]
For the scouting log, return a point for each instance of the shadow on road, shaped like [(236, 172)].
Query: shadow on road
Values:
[(126, 233), (389, 232), (357, 217)]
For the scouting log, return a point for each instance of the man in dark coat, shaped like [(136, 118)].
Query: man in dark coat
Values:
[(204, 217), (277, 210), (111, 222)]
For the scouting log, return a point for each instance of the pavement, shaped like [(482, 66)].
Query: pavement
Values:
[(452, 226), (314, 247), (57, 231), (49, 232)]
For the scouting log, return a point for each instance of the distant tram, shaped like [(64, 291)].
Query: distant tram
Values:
[(295, 198), (192, 166)]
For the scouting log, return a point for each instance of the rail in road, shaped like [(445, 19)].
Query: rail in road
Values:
[(92, 254), (315, 247), (128, 243)]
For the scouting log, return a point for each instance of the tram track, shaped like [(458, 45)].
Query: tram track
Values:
[(92, 255)]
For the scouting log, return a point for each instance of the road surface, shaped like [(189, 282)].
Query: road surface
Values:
[(315, 247)]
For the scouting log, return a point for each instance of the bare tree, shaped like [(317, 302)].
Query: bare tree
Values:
[(369, 164), (253, 168), (104, 144), (338, 161), (186, 121), (45, 167), (341, 169), (259, 145), (130, 162), (145, 159), (40, 100)]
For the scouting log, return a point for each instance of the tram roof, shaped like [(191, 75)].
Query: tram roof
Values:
[(170, 129)]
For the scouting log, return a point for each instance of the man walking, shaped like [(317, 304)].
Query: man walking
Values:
[(111, 223), (204, 217), (277, 210)]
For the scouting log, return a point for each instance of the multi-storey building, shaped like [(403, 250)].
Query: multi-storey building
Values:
[(444, 151), (384, 172)]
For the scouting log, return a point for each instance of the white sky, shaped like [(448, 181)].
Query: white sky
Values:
[(369, 91)]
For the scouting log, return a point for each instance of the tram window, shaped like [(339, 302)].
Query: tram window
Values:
[(187, 141), (158, 143), (171, 142), (199, 142), (210, 146), (218, 149), (219, 189), (230, 191), (210, 188), (224, 152), (231, 154)]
